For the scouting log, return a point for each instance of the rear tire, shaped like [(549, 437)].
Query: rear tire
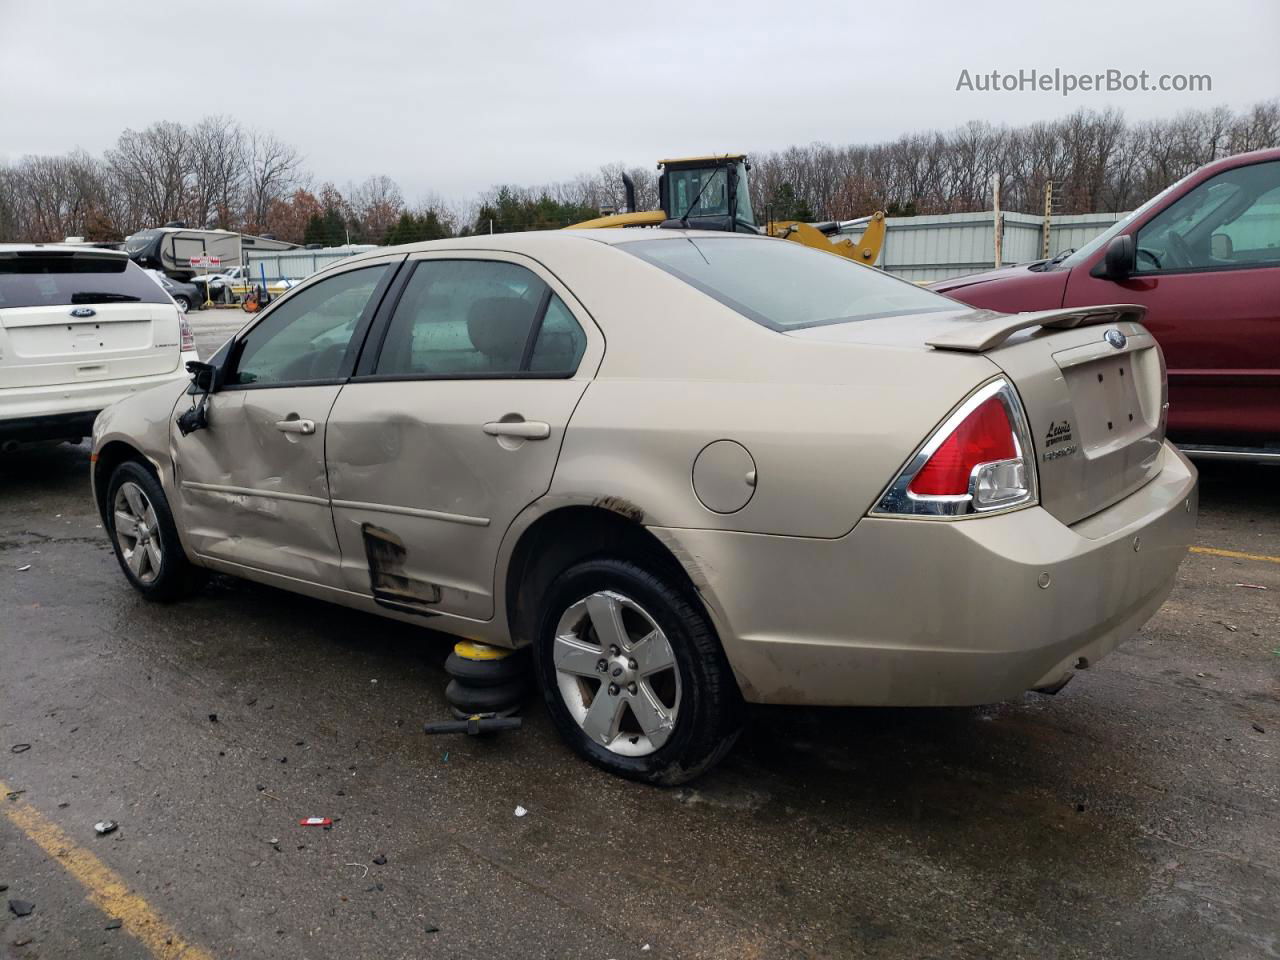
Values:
[(664, 707), (144, 536)]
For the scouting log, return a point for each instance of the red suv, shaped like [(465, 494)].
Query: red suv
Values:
[(1204, 258)]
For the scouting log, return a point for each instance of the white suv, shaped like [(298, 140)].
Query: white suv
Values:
[(80, 328)]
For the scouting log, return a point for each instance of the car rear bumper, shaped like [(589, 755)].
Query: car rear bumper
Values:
[(940, 613), (64, 406)]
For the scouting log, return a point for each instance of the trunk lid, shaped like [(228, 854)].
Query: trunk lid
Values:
[(1092, 382), (75, 314)]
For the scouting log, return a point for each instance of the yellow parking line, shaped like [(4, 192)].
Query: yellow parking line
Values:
[(107, 889), (1235, 554)]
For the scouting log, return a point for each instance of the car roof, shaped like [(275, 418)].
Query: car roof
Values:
[(1240, 160), (82, 249), (534, 242)]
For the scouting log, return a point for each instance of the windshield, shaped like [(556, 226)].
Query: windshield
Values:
[(1117, 228), (785, 286), (709, 186), (44, 280)]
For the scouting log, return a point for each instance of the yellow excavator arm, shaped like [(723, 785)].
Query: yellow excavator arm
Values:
[(864, 249), (641, 218)]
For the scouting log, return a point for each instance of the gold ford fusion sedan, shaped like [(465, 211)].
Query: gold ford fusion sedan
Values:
[(687, 469)]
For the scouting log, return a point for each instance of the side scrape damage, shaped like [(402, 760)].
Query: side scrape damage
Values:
[(621, 506), (391, 586)]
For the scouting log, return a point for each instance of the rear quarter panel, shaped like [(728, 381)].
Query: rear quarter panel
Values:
[(827, 425)]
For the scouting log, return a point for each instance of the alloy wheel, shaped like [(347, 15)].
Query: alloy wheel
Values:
[(617, 673), (137, 532)]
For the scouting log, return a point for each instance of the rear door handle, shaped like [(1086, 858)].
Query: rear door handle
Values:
[(524, 429), (295, 425)]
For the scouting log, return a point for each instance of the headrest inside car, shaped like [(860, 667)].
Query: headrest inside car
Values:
[(499, 326)]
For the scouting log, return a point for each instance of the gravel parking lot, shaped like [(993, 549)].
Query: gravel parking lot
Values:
[(1135, 814)]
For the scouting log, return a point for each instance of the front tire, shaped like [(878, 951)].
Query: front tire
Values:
[(183, 304), (143, 533), (633, 673)]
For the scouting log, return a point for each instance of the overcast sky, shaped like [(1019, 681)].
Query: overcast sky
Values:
[(451, 98)]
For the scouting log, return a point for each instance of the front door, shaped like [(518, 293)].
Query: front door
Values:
[(251, 486), (453, 426), (1208, 272)]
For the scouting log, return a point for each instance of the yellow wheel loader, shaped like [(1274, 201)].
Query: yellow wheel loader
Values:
[(710, 193)]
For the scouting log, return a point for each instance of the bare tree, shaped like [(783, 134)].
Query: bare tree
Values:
[(274, 169), (151, 168), (376, 204), (219, 165)]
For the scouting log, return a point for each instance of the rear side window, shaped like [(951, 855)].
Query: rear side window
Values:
[(785, 286), (52, 280), (464, 318)]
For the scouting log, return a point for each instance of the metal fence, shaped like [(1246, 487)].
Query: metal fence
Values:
[(929, 248), (297, 264), (924, 249)]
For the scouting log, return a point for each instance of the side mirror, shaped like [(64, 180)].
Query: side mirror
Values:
[(203, 375), (1121, 258)]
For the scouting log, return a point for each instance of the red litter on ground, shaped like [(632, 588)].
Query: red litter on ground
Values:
[(315, 822)]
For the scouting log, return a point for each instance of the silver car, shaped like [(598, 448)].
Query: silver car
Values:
[(687, 469)]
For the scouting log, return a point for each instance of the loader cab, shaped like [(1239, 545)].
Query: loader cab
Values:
[(707, 193)]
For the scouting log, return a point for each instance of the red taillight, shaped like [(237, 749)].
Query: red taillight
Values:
[(985, 435), (977, 461), (188, 338)]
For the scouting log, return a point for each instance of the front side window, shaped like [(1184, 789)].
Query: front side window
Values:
[(785, 286), (57, 279), (306, 338), (461, 318), (1231, 220)]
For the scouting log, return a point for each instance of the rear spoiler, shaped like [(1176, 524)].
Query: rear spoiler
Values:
[(982, 330)]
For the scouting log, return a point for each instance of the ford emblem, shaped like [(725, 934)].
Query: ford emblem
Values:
[(84, 312), (1115, 338)]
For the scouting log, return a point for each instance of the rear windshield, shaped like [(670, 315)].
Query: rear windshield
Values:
[(785, 286), (48, 280)]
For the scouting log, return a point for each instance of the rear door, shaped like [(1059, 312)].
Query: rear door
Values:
[(1208, 272), (453, 425), (252, 489), (72, 316)]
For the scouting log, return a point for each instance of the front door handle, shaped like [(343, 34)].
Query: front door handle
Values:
[(294, 425), (524, 429)]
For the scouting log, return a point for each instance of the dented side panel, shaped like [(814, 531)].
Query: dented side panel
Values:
[(251, 494), (422, 495)]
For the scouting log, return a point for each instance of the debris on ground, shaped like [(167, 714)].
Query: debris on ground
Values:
[(24, 569), (213, 718), (1229, 626), (105, 826), (315, 822), (432, 928), (20, 748), (21, 908), (1251, 586), (520, 811), (115, 923), (14, 794), (380, 860), (1258, 727)]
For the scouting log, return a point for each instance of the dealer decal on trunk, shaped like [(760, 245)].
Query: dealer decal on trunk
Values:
[(1058, 441)]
